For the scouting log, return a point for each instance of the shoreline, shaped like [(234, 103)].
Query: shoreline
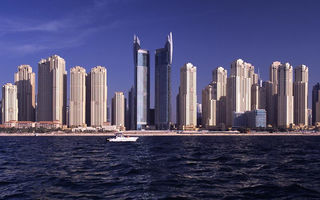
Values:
[(166, 133)]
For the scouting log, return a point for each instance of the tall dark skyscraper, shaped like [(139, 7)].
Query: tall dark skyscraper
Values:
[(88, 99), (130, 113), (315, 104), (163, 61), (141, 59)]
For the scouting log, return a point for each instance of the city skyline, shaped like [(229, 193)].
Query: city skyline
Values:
[(280, 101), (170, 99), (251, 101), (207, 44)]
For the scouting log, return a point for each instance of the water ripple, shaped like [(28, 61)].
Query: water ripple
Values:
[(160, 168)]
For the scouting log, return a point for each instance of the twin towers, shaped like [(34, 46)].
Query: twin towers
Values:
[(139, 116)]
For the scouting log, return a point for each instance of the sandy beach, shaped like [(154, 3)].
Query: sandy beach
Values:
[(168, 133)]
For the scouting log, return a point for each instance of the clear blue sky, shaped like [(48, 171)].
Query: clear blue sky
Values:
[(205, 33)]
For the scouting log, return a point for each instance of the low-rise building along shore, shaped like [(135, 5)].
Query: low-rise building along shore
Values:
[(169, 133)]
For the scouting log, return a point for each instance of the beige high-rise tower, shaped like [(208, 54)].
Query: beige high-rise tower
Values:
[(285, 96), (272, 95), (188, 97), (9, 103), (263, 95), (255, 94), (77, 106), (118, 110), (25, 81), (300, 92), (255, 90), (209, 105), (239, 87), (98, 95), (214, 100), (52, 90), (316, 105)]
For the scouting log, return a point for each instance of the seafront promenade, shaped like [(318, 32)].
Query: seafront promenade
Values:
[(170, 133)]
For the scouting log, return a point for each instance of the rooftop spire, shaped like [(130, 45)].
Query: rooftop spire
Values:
[(136, 39), (170, 47)]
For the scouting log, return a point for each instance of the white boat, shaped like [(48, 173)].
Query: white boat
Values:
[(121, 138)]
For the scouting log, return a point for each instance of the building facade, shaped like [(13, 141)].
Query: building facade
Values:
[(188, 97), (9, 102), (239, 87), (272, 95), (263, 96), (88, 99), (257, 118), (163, 61), (209, 105), (285, 96), (77, 105), (118, 110), (315, 104), (300, 92), (131, 106), (199, 114), (25, 81), (141, 86), (52, 90), (98, 104), (255, 94), (214, 100), (250, 119), (1, 111)]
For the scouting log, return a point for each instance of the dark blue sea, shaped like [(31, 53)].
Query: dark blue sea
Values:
[(220, 167)]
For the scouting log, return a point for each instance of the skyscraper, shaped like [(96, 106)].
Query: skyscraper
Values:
[(25, 81), (163, 61), (52, 90), (209, 105), (285, 95), (272, 95), (188, 97), (199, 114), (98, 96), (109, 114), (118, 109), (214, 100), (9, 103), (127, 113), (316, 104), (88, 99), (77, 105), (239, 87), (131, 109), (300, 92), (141, 59), (178, 109), (263, 96), (255, 89), (309, 117), (1, 110), (255, 92), (219, 76)]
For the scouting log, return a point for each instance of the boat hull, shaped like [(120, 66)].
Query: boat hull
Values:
[(123, 139)]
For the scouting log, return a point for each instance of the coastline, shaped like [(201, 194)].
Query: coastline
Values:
[(167, 133)]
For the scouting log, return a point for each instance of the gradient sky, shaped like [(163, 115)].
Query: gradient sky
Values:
[(205, 33)]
